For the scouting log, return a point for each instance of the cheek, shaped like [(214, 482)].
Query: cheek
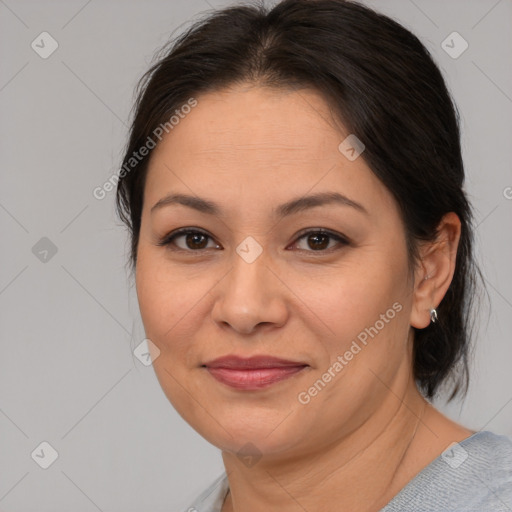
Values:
[(367, 316), (169, 307), (172, 304), (353, 296), (366, 304), (367, 330)]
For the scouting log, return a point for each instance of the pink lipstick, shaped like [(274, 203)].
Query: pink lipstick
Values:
[(257, 372)]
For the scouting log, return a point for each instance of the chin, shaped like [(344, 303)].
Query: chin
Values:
[(246, 433)]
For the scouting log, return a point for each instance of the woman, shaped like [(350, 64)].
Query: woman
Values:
[(302, 248)]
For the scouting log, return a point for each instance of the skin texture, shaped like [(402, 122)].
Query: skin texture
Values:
[(369, 430)]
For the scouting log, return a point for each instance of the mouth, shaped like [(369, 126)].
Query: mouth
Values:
[(258, 372)]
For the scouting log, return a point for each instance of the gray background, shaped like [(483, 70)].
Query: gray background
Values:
[(69, 324)]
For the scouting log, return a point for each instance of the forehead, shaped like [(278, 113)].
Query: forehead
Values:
[(261, 143)]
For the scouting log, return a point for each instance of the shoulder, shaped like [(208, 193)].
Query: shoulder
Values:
[(212, 498), (472, 475), (490, 468)]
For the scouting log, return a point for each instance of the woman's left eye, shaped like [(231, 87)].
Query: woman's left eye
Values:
[(317, 240)]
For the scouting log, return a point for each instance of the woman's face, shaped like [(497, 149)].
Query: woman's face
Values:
[(255, 285)]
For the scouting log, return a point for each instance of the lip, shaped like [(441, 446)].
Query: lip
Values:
[(251, 363), (252, 373)]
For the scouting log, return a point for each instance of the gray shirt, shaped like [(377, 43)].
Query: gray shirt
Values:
[(474, 475)]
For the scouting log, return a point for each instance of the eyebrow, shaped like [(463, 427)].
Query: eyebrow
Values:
[(297, 205)]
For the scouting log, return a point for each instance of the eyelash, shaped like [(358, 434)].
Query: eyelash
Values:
[(168, 240)]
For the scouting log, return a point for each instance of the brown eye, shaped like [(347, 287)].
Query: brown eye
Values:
[(196, 240), (192, 240), (319, 240)]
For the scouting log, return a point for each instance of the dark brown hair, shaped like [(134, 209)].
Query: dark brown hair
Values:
[(384, 87)]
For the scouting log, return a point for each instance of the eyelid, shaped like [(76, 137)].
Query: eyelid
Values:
[(333, 234), (169, 238)]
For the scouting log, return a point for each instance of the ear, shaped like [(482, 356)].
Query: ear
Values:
[(433, 276)]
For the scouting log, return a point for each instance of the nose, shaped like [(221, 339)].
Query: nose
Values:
[(249, 296)]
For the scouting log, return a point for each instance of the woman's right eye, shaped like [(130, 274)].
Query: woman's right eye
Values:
[(193, 240)]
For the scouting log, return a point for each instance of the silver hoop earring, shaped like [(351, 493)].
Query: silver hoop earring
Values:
[(433, 315)]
